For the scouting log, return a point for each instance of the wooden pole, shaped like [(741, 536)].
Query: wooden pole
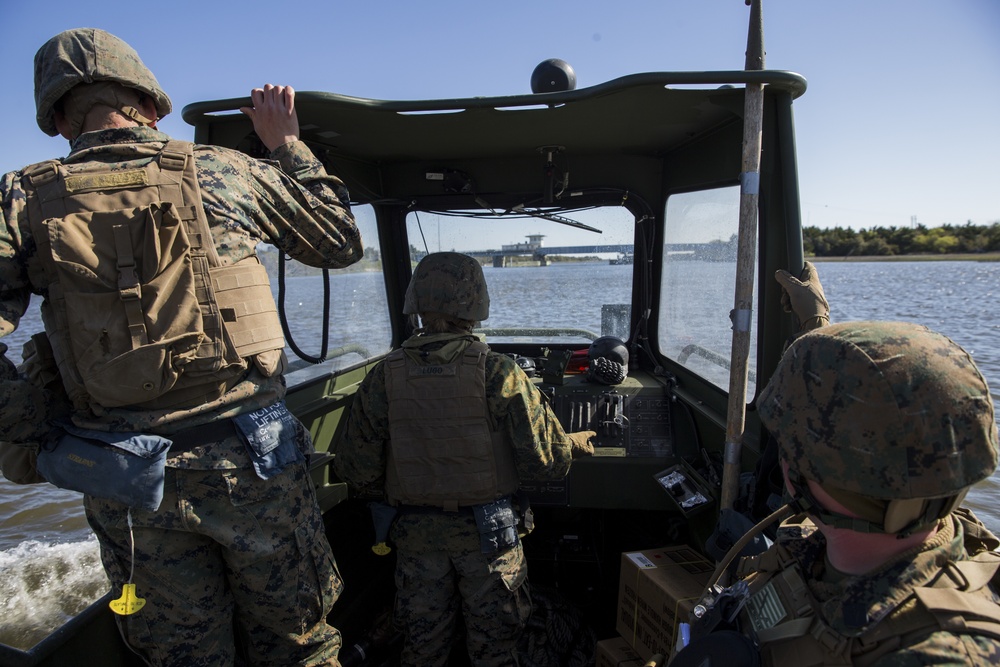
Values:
[(746, 254)]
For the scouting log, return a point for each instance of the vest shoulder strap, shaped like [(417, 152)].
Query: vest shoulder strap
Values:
[(40, 173), (179, 156), (959, 600), (775, 559), (396, 358), (175, 154)]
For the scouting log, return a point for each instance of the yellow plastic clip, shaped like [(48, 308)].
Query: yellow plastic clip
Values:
[(128, 603)]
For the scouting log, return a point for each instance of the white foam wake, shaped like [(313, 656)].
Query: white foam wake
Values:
[(42, 585)]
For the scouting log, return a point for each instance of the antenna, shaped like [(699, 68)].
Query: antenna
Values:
[(742, 312)]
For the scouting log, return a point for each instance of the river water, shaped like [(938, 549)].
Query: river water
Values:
[(49, 563)]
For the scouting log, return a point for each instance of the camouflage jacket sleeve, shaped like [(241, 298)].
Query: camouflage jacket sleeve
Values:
[(290, 202), (26, 408), (360, 456), (542, 450)]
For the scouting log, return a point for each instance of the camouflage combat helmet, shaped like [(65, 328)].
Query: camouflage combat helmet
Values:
[(450, 283), (887, 415), (88, 55)]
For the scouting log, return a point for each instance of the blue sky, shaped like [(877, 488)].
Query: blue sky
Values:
[(900, 118)]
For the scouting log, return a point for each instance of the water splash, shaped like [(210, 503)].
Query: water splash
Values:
[(43, 585)]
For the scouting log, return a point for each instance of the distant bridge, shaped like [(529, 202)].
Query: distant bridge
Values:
[(538, 252), (713, 251)]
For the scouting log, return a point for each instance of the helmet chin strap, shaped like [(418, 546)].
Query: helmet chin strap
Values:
[(805, 501), (901, 517), (134, 114), (84, 98)]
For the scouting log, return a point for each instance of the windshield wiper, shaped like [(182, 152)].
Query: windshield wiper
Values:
[(554, 218)]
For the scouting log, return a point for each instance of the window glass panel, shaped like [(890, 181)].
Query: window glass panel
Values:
[(359, 327), (548, 281), (699, 282)]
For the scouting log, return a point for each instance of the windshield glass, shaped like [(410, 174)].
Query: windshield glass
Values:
[(699, 279), (357, 325), (549, 281)]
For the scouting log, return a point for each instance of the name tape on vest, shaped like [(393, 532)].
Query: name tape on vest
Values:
[(432, 370), (118, 179)]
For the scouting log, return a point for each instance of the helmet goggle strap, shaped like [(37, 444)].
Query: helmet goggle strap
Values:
[(900, 517)]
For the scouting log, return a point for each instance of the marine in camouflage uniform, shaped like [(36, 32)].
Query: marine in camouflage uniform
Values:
[(442, 570), (883, 428), (227, 551)]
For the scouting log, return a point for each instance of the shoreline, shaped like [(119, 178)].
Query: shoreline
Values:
[(946, 257)]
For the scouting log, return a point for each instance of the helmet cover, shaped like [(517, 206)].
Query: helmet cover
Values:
[(886, 410), (450, 283), (88, 55)]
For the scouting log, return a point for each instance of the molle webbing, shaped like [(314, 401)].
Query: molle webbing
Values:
[(958, 600), (443, 451), (141, 311), (247, 307)]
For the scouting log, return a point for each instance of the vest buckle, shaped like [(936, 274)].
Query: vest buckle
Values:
[(128, 282), (42, 174)]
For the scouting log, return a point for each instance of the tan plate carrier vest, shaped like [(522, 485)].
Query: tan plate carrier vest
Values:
[(139, 310), (783, 611), (442, 450)]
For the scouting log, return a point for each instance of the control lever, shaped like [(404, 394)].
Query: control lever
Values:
[(614, 412)]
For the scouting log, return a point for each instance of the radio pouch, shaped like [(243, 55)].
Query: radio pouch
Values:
[(497, 523)]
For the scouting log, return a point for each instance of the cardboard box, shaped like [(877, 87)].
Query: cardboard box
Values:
[(616, 652), (657, 590)]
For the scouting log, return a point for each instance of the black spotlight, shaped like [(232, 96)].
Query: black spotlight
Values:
[(553, 76)]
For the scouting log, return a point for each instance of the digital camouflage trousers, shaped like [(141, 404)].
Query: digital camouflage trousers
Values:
[(227, 560), (442, 576)]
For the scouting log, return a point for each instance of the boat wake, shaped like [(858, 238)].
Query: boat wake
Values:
[(42, 585)]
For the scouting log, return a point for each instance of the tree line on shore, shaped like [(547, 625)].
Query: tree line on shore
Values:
[(839, 241), (268, 256), (832, 242)]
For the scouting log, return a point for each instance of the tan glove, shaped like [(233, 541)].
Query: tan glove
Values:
[(581, 443), (804, 297)]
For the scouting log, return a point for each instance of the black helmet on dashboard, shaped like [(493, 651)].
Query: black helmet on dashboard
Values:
[(891, 419), (88, 55), (450, 283), (608, 360)]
